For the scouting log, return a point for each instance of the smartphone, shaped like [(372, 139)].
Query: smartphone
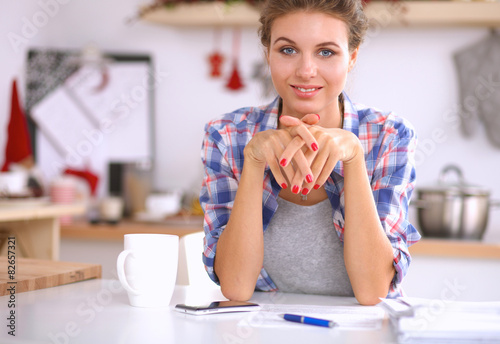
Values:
[(218, 307)]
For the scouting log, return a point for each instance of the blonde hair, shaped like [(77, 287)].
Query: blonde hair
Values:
[(349, 11)]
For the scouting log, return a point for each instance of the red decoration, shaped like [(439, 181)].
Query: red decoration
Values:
[(235, 82), (89, 177), (18, 146), (215, 60)]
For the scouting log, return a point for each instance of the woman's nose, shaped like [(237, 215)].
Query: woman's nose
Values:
[(306, 68)]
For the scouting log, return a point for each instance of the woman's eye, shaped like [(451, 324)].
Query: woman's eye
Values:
[(288, 51), (326, 53)]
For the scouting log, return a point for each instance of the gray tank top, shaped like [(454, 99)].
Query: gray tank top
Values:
[(302, 251)]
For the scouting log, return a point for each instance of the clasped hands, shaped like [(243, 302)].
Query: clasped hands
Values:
[(303, 154)]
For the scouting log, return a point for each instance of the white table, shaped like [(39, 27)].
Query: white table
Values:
[(97, 311)]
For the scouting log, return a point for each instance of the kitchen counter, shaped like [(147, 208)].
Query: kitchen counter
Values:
[(186, 225), (176, 225), (455, 248)]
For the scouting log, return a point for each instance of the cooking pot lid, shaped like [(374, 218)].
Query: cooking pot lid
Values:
[(459, 187)]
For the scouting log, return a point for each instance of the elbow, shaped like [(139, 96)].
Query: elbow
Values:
[(370, 296), (235, 293), (368, 300)]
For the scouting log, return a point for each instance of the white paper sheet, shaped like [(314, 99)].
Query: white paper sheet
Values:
[(451, 322), (347, 318)]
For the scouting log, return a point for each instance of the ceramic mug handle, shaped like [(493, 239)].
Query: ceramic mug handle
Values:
[(120, 267)]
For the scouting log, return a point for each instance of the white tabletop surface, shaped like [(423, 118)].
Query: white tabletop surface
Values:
[(97, 311)]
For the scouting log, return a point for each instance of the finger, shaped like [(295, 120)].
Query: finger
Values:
[(276, 171), (290, 150), (290, 121), (311, 119), (272, 150), (302, 172), (308, 182), (326, 168), (288, 171), (306, 135)]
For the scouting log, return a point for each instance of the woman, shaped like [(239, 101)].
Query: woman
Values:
[(309, 193)]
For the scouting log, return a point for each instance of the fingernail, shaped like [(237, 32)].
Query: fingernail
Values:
[(314, 146), (295, 189), (284, 186), (305, 191), (283, 162), (318, 116), (316, 187), (309, 178)]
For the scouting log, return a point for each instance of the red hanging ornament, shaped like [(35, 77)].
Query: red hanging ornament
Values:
[(235, 83), (18, 147), (216, 59)]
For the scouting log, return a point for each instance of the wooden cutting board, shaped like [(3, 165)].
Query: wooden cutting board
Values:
[(33, 274)]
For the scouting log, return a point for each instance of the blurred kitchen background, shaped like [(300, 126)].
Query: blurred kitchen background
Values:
[(407, 69)]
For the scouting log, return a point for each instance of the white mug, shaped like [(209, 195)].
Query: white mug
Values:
[(147, 268)]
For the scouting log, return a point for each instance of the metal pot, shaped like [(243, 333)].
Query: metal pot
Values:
[(453, 210)]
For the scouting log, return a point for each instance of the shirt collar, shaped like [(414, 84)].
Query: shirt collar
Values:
[(351, 119)]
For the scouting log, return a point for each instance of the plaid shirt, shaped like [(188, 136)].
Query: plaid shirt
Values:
[(389, 144)]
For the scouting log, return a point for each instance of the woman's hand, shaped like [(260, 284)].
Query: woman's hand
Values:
[(334, 145), (268, 146)]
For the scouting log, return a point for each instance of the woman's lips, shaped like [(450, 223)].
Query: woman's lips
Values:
[(306, 91)]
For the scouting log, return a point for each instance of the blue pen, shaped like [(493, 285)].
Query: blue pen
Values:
[(308, 320)]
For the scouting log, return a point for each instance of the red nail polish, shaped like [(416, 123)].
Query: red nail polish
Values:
[(309, 178), (283, 162), (284, 186), (318, 116), (295, 189), (316, 187), (305, 191), (314, 146)]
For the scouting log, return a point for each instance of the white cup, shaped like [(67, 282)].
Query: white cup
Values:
[(13, 182), (111, 209), (147, 268), (163, 204)]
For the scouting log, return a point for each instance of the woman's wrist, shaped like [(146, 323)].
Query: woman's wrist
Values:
[(251, 162), (358, 154)]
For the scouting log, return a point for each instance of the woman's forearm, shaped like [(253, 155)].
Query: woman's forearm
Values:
[(240, 249), (367, 251)]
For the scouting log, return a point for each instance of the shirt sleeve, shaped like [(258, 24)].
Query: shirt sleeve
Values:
[(217, 193), (393, 182)]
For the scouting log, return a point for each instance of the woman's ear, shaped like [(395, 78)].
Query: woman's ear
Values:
[(353, 58)]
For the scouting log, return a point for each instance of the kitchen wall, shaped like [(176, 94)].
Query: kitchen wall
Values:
[(408, 70)]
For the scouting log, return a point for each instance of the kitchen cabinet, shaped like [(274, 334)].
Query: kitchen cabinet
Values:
[(380, 13), (459, 270)]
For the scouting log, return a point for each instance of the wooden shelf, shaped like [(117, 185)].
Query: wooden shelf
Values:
[(205, 14), (434, 13), (381, 14)]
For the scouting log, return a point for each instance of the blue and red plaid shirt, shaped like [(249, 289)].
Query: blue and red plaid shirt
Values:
[(389, 143)]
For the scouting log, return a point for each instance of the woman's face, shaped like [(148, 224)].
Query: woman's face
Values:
[(309, 60)]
